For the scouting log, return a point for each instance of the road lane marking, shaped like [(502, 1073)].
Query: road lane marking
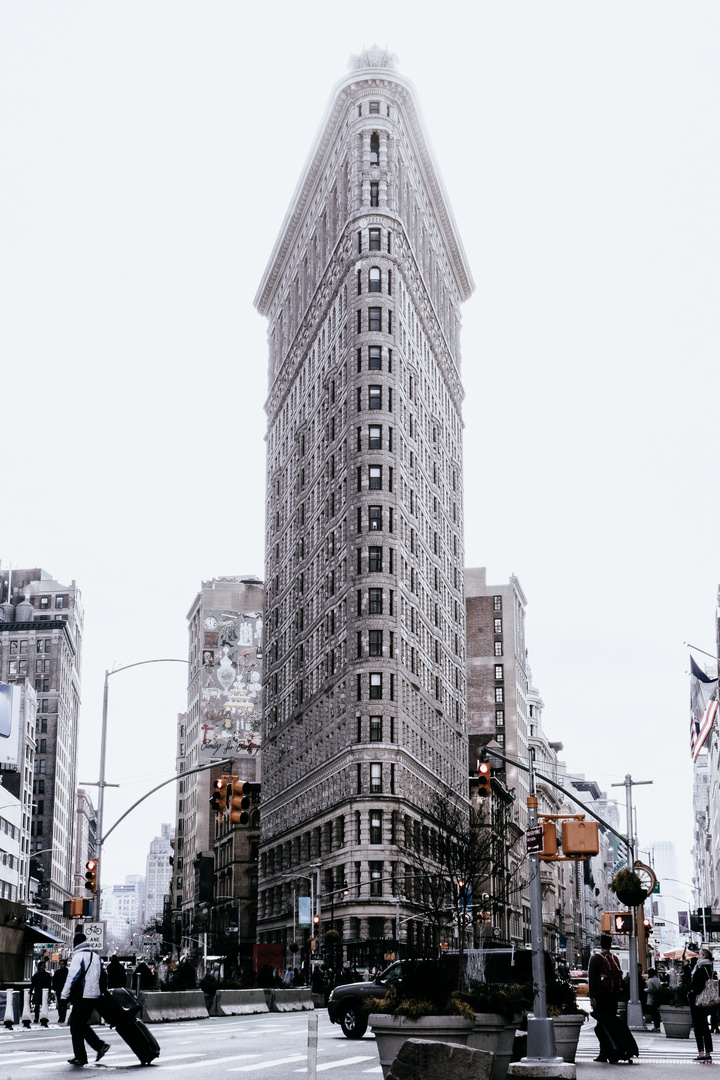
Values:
[(269, 1064)]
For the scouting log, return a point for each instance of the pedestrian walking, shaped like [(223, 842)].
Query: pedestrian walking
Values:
[(58, 981), (41, 980), (653, 988), (85, 977), (698, 1009), (605, 980)]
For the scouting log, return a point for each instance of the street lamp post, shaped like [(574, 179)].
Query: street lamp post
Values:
[(101, 783)]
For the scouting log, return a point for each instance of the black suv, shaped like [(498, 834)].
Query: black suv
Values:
[(346, 1003)]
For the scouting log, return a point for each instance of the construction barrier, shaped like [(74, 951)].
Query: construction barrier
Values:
[(291, 1000), (238, 1002), (175, 1005)]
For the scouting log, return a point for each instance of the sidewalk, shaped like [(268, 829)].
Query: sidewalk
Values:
[(659, 1056)]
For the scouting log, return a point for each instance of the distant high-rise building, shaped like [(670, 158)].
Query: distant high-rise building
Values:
[(364, 715), (122, 909), (158, 874), (41, 626), (497, 675), (222, 722)]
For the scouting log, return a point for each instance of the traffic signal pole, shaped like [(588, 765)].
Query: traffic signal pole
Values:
[(634, 1007)]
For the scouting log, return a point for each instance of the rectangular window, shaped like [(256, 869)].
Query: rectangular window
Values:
[(376, 873), (375, 477), (375, 685), (375, 397), (359, 602), (359, 321), (374, 108), (389, 322), (374, 318), (392, 601), (390, 479), (359, 520), (374, 193), (500, 718), (359, 234), (375, 518), (359, 728), (375, 642), (374, 239), (499, 696), (498, 626), (392, 687), (359, 779), (375, 560), (44, 602), (359, 282), (392, 778), (375, 358), (498, 648), (497, 603), (359, 652), (389, 282), (375, 729), (359, 478), (59, 601), (499, 672), (375, 820), (374, 437), (359, 689), (375, 601), (391, 648)]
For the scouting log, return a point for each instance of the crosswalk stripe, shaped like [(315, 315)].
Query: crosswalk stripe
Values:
[(336, 1064), (207, 1064), (269, 1064)]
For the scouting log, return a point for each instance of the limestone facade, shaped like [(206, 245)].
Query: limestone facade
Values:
[(364, 685)]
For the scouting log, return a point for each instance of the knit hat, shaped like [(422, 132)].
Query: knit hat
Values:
[(78, 939)]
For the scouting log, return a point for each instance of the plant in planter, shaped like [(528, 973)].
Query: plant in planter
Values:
[(672, 1002), (294, 947), (628, 888)]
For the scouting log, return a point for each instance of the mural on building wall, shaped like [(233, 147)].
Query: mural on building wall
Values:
[(230, 695)]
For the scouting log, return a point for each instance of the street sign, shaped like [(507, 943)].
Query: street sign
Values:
[(534, 840), (95, 934), (656, 888)]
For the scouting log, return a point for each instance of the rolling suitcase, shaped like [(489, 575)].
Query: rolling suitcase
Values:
[(618, 1037), (120, 1008)]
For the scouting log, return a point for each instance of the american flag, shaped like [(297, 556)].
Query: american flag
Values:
[(703, 707)]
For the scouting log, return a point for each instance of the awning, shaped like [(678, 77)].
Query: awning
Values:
[(36, 933)]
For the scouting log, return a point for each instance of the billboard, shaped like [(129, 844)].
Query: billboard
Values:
[(230, 684), (10, 725)]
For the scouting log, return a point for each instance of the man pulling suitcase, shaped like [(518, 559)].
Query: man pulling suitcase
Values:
[(83, 988)]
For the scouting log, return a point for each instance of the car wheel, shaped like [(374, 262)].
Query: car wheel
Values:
[(353, 1021)]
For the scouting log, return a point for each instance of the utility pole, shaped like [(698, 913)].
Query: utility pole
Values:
[(634, 1009)]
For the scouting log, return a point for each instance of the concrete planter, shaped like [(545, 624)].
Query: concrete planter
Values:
[(492, 1031), (392, 1031), (567, 1034), (677, 1021)]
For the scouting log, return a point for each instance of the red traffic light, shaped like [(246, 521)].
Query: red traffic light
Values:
[(91, 875), (483, 780)]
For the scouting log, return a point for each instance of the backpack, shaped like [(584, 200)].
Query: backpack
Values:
[(611, 976)]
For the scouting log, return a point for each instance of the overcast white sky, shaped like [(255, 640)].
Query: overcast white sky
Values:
[(150, 150)]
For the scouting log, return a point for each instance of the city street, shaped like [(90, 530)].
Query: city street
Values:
[(274, 1047)]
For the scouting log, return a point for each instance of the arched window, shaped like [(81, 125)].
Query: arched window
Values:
[(374, 279), (374, 148)]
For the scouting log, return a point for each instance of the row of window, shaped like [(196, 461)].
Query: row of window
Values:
[(374, 283), (21, 647), (374, 320)]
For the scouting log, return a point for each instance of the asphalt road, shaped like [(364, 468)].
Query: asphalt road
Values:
[(274, 1047)]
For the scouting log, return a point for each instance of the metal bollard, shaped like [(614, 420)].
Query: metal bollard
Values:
[(44, 1015), (9, 1008), (312, 1045), (26, 1014)]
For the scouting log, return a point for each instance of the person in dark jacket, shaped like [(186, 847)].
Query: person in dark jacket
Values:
[(83, 981), (40, 981), (701, 973), (116, 973), (605, 979), (58, 981)]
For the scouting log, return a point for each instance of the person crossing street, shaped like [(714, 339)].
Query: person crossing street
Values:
[(83, 987)]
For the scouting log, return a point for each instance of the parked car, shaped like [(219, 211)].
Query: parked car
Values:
[(346, 1003)]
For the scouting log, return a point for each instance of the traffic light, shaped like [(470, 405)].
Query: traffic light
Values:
[(648, 927), (239, 802), (218, 799), (91, 875), (483, 780), (77, 908)]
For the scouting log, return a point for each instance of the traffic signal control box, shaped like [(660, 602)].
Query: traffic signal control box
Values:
[(579, 837)]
